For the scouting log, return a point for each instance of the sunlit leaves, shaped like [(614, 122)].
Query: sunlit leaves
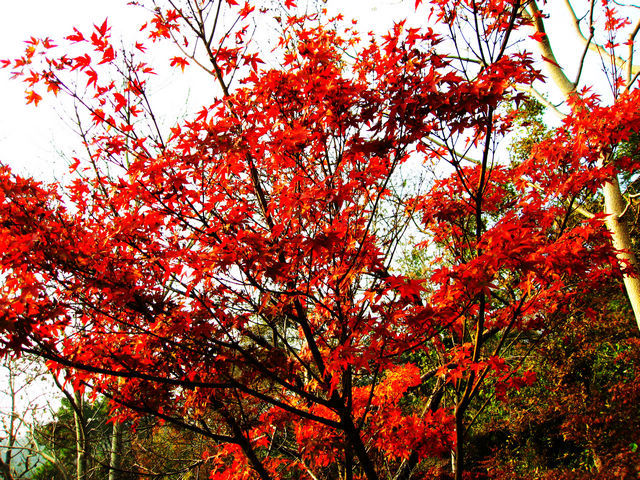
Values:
[(33, 97), (179, 62), (239, 266)]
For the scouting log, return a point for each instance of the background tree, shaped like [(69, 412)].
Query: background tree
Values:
[(78, 441), (23, 403)]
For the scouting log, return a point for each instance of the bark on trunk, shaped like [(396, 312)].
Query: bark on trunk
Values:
[(458, 460), (615, 205), (115, 457), (5, 470), (81, 438)]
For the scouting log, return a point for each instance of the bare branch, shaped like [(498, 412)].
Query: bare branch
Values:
[(594, 47), (586, 47), (630, 77), (538, 96)]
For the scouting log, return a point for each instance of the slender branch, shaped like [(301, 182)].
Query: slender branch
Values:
[(584, 55), (632, 36), (454, 152), (538, 96), (584, 212), (620, 62)]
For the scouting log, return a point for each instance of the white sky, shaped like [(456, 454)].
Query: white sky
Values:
[(34, 140), (30, 137)]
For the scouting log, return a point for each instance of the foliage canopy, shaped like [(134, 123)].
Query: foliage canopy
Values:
[(236, 275)]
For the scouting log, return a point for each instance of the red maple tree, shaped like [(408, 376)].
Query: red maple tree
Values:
[(239, 271)]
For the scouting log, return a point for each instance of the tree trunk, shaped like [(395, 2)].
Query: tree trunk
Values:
[(81, 438), (615, 204), (5, 470), (11, 436), (458, 459), (115, 457)]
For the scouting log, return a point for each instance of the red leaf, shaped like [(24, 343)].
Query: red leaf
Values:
[(81, 62), (93, 77), (48, 43), (74, 165), (108, 55), (33, 97), (550, 61), (121, 101), (252, 60), (76, 37), (52, 86), (538, 36), (246, 10), (102, 29), (180, 62)]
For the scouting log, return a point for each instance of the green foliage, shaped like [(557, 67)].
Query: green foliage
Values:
[(581, 419), (529, 130), (58, 439)]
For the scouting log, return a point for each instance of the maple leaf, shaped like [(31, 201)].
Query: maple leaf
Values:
[(121, 101), (81, 62), (52, 86), (180, 62), (76, 36), (253, 60), (33, 97), (246, 10), (103, 28), (538, 36), (74, 165), (98, 116), (108, 55), (32, 79), (93, 77), (48, 43)]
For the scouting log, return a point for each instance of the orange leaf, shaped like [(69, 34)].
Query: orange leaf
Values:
[(33, 97), (550, 61)]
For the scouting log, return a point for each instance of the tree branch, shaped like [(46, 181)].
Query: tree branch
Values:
[(594, 47), (555, 71)]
